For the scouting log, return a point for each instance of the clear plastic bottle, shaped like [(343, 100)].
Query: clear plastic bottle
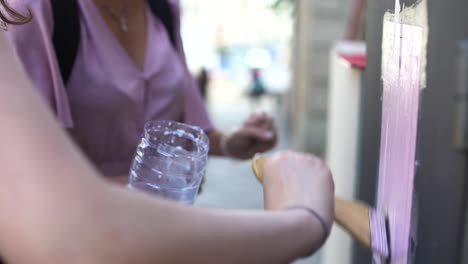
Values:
[(170, 161)]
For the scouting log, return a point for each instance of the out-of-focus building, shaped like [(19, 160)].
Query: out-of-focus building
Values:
[(210, 26), (318, 25)]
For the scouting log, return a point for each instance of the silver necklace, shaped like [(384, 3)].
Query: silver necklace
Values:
[(121, 19)]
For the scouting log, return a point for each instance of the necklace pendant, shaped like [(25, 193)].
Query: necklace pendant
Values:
[(123, 25), (121, 19)]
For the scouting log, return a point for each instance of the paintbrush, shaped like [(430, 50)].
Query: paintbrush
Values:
[(365, 224)]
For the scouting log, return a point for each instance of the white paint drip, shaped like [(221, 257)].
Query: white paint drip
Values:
[(415, 15)]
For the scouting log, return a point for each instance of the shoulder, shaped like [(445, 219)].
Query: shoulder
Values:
[(40, 9), (32, 5), (41, 23)]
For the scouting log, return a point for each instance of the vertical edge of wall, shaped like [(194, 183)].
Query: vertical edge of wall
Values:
[(341, 147), (310, 81), (371, 110)]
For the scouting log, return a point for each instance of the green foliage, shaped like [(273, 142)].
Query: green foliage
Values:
[(281, 6)]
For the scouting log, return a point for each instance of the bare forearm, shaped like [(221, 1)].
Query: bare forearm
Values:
[(116, 226), (205, 236), (139, 229)]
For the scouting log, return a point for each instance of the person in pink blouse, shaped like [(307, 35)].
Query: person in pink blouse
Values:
[(126, 71)]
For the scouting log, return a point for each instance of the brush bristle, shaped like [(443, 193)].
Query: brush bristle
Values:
[(379, 235)]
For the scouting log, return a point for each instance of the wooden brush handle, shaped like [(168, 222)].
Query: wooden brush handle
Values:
[(352, 216)]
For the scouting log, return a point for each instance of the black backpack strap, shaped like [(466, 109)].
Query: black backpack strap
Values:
[(162, 9), (66, 35)]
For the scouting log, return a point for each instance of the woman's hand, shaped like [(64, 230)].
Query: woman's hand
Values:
[(293, 179), (256, 135)]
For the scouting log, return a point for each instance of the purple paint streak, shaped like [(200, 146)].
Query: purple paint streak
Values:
[(401, 78)]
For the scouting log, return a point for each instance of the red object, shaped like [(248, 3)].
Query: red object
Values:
[(354, 52), (356, 60)]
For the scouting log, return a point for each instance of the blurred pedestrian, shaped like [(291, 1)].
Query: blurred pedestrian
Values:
[(203, 79), (257, 86)]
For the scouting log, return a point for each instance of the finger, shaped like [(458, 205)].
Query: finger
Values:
[(257, 133), (262, 146), (258, 117), (253, 119), (268, 123)]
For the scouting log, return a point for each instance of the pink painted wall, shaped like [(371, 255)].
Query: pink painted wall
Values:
[(402, 45)]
